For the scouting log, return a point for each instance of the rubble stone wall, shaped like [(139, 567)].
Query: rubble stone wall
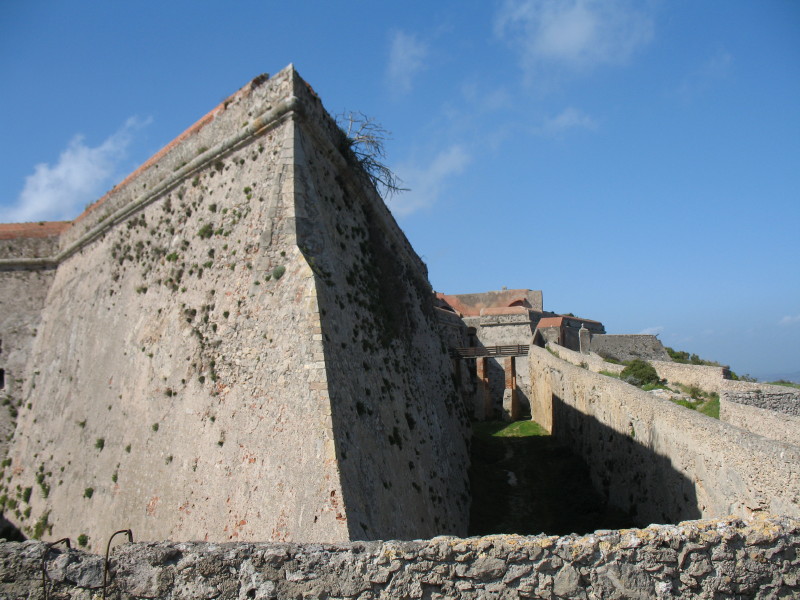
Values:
[(700, 559), (777, 398)]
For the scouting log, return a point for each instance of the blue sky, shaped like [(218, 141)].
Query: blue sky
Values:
[(639, 162)]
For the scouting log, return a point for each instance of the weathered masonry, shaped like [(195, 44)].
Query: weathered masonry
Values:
[(237, 342), (725, 558)]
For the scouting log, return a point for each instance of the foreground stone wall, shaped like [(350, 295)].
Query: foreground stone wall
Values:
[(701, 559), (659, 461)]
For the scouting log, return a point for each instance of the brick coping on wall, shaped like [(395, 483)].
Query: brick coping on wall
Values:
[(41, 229)]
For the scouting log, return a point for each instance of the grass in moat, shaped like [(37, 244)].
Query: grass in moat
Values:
[(523, 481)]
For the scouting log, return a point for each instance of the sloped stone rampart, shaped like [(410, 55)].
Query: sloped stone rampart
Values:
[(700, 559), (660, 461), (193, 380)]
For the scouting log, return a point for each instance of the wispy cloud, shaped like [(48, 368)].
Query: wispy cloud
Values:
[(790, 320), (569, 118), (652, 330), (573, 34), (62, 190), (407, 56), (427, 182), (714, 69)]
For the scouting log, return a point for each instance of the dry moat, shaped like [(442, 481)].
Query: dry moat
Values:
[(524, 481)]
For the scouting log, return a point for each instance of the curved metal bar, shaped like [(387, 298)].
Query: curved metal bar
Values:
[(108, 549), (45, 576)]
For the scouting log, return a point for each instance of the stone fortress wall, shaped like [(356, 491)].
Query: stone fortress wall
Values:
[(711, 559), (19, 322), (656, 460), (210, 369), (240, 344), (771, 411)]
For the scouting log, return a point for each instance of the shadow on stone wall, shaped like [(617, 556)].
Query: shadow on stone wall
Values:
[(628, 475)]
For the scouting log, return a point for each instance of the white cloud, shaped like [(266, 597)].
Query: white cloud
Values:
[(652, 330), (569, 118), (790, 320), (406, 58), (82, 173), (715, 69), (427, 182), (573, 34)]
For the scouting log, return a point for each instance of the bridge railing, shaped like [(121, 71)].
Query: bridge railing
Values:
[(476, 352)]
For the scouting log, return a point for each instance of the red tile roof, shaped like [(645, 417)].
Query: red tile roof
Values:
[(550, 322)]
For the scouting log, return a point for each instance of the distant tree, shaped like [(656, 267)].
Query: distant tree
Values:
[(363, 141)]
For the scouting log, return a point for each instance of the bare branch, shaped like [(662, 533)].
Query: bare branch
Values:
[(363, 141)]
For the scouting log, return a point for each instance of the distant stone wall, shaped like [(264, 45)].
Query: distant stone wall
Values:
[(660, 461), (768, 423), (700, 559), (501, 330), (772, 411), (777, 398), (628, 347), (707, 378), (28, 240)]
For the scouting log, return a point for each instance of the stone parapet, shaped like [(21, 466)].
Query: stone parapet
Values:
[(697, 559), (659, 461)]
